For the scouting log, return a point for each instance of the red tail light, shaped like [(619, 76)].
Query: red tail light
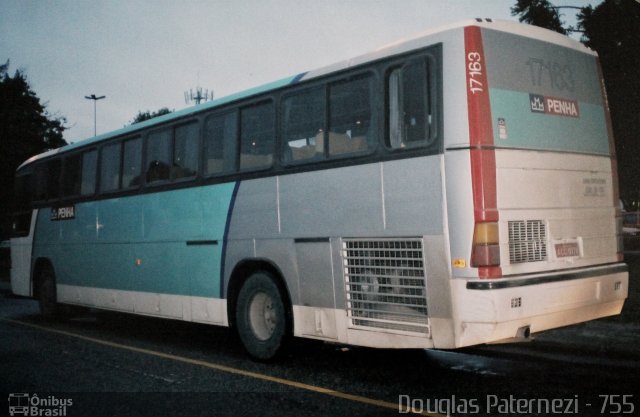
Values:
[(486, 245)]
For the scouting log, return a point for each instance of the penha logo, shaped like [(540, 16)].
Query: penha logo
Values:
[(63, 213), (553, 105)]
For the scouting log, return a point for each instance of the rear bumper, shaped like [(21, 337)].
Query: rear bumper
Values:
[(493, 310)]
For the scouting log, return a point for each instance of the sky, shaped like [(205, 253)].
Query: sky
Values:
[(144, 54)]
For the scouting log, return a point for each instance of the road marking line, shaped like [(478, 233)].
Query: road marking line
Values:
[(228, 369)]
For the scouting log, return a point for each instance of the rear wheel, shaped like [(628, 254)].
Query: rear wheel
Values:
[(261, 317)]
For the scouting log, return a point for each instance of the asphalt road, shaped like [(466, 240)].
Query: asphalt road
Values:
[(120, 365)]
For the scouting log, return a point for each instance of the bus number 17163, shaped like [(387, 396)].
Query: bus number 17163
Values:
[(474, 68)]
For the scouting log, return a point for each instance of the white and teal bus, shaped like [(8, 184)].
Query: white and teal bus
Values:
[(448, 190)]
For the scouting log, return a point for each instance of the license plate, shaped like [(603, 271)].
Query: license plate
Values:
[(565, 250)]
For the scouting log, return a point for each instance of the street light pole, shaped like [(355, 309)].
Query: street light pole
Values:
[(95, 99)]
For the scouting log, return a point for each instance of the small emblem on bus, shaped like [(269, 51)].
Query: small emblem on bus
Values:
[(63, 213), (554, 105), (537, 103), (502, 128)]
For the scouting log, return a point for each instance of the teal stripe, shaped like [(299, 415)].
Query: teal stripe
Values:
[(529, 130), (100, 247)]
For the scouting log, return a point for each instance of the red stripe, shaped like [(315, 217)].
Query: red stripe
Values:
[(483, 158)]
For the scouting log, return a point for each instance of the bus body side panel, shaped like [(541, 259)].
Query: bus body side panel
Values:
[(156, 254), (298, 223), (21, 249)]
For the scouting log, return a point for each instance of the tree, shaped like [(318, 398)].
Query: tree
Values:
[(539, 13), (142, 116), (612, 29), (26, 129)]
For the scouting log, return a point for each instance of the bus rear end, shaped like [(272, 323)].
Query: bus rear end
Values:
[(534, 221)]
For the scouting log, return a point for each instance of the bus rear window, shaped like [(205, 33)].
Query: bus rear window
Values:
[(544, 96)]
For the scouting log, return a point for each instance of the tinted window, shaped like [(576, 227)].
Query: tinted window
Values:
[(40, 182), (257, 132), (22, 203), (72, 175), (23, 191), (220, 141), (110, 167), (89, 169), (350, 116), (159, 156), (185, 153), (304, 125), (53, 180), (408, 110), (132, 163)]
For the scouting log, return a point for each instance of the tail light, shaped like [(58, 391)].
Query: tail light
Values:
[(486, 245)]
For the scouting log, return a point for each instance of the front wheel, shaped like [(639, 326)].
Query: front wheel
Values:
[(261, 317), (47, 297)]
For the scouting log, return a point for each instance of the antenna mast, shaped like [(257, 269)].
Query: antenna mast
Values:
[(198, 95)]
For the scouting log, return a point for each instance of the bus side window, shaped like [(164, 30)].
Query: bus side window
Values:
[(89, 168), (257, 136), (71, 175), (131, 163), (304, 125), (110, 167), (409, 115), (185, 151), (350, 114), (40, 182), (220, 142), (47, 180), (158, 156), (22, 208), (53, 186)]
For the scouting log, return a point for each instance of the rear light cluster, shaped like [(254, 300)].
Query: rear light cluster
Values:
[(486, 245)]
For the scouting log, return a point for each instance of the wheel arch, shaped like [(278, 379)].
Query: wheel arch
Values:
[(38, 265)]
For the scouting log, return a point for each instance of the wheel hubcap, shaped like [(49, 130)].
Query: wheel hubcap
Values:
[(262, 316)]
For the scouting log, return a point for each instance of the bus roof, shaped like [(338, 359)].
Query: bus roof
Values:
[(403, 45)]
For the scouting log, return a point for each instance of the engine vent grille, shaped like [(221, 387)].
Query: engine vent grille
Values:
[(527, 241), (385, 284)]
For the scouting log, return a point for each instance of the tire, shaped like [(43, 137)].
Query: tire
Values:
[(47, 297), (261, 317)]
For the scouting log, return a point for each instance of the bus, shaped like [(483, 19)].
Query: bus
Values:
[(452, 189)]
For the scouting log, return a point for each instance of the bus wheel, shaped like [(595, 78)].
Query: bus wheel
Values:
[(47, 292), (261, 317)]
